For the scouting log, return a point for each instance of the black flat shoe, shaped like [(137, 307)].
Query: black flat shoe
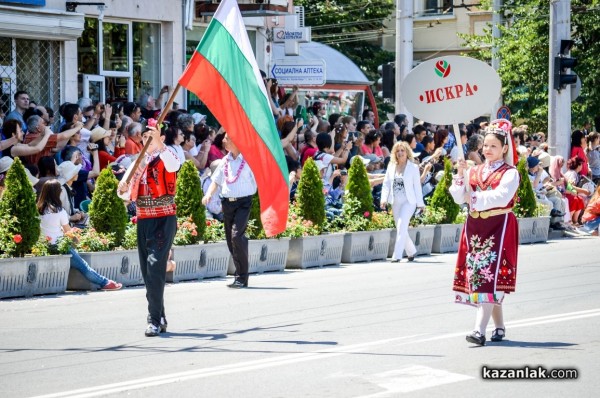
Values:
[(238, 285), (476, 338), (498, 334), (394, 260), (411, 258)]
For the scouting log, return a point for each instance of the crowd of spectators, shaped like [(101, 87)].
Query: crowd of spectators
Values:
[(92, 136)]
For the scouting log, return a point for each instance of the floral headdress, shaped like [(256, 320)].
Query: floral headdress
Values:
[(503, 127)]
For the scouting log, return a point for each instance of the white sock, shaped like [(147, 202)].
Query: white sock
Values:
[(484, 313), (498, 317)]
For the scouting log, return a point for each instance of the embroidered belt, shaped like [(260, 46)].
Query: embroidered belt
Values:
[(148, 201), (489, 213)]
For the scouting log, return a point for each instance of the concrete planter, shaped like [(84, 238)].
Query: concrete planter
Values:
[(30, 276), (315, 251), (265, 255), (422, 237), (199, 261), (366, 246), (446, 238), (121, 266), (534, 229)]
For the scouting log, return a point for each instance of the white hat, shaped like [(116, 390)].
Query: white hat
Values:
[(67, 170), (99, 133), (5, 163), (198, 117), (32, 179)]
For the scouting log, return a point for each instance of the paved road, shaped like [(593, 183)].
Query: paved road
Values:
[(362, 330)]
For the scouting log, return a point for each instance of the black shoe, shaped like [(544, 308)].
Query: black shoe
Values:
[(411, 259), (152, 330), (238, 285), (558, 226), (476, 338), (394, 260), (498, 334), (163, 325)]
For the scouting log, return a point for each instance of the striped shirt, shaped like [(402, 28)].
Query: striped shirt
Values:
[(232, 187)]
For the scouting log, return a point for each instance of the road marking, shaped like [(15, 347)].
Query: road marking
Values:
[(295, 358), (412, 378)]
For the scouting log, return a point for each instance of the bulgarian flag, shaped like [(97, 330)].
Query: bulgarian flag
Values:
[(224, 75)]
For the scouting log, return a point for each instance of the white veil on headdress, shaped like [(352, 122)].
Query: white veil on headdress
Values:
[(503, 127)]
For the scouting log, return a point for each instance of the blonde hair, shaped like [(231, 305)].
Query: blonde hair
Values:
[(396, 147)]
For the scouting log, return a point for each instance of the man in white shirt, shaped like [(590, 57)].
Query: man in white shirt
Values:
[(237, 187)]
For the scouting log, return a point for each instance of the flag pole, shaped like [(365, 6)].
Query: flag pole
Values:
[(161, 118)]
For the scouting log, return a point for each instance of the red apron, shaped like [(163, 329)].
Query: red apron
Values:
[(486, 267)]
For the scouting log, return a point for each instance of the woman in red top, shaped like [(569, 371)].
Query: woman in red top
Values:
[(578, 143), (217, 150)]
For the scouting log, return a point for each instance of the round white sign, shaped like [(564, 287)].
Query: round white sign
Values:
[(450, 89)]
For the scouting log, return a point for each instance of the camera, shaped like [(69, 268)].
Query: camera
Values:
[(344, 172)]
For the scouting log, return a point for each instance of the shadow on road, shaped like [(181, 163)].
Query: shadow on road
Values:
[(532, 344)]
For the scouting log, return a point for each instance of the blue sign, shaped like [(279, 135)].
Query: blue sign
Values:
[(503, 113), (39, 3)]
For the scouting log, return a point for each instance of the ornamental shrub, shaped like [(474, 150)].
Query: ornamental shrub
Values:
[(18, 204), (525, 203), (255, 228), (441, 199), (359, 189), (188, 198), (310, 199), (107, 211)]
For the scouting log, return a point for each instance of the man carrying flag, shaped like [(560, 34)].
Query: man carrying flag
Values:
[(224, 75), (238, 185)]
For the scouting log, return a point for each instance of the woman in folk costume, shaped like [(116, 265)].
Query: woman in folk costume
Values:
[(486, 268)]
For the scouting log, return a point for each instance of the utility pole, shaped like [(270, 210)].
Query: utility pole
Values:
[(404, 52), (559, 101), (496, 22)]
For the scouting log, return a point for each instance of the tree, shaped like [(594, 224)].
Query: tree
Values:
[(188, 197), (19, 212), (359, 189), (526, 204), (107, 211), (523, 51), (441, 199), (353, 27), (309, 196)]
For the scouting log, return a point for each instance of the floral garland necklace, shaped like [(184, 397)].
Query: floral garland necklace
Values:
[(237, 174)]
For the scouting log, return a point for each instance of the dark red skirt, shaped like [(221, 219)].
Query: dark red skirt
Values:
[(575, 202), (486, 267)]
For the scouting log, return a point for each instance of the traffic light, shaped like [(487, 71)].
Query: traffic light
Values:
[(386, 84), (563, 66)]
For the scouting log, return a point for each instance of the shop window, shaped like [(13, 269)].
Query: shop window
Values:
[(146, 59), (87, 48), (437, 7), (37, 72)]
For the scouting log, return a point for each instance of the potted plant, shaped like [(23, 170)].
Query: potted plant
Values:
[(532, 227), (22, 274), (188, 198), (423, 228), (263, 254), (446, 235), (361, 241), (308, 247), (107, 212)]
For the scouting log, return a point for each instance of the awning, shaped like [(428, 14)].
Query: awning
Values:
[(339, 69), (40, 24)]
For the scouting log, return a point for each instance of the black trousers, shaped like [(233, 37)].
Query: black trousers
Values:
[(155, 238), (235, 218)]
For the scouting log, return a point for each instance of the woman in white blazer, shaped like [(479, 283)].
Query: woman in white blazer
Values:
[(402, 189)]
